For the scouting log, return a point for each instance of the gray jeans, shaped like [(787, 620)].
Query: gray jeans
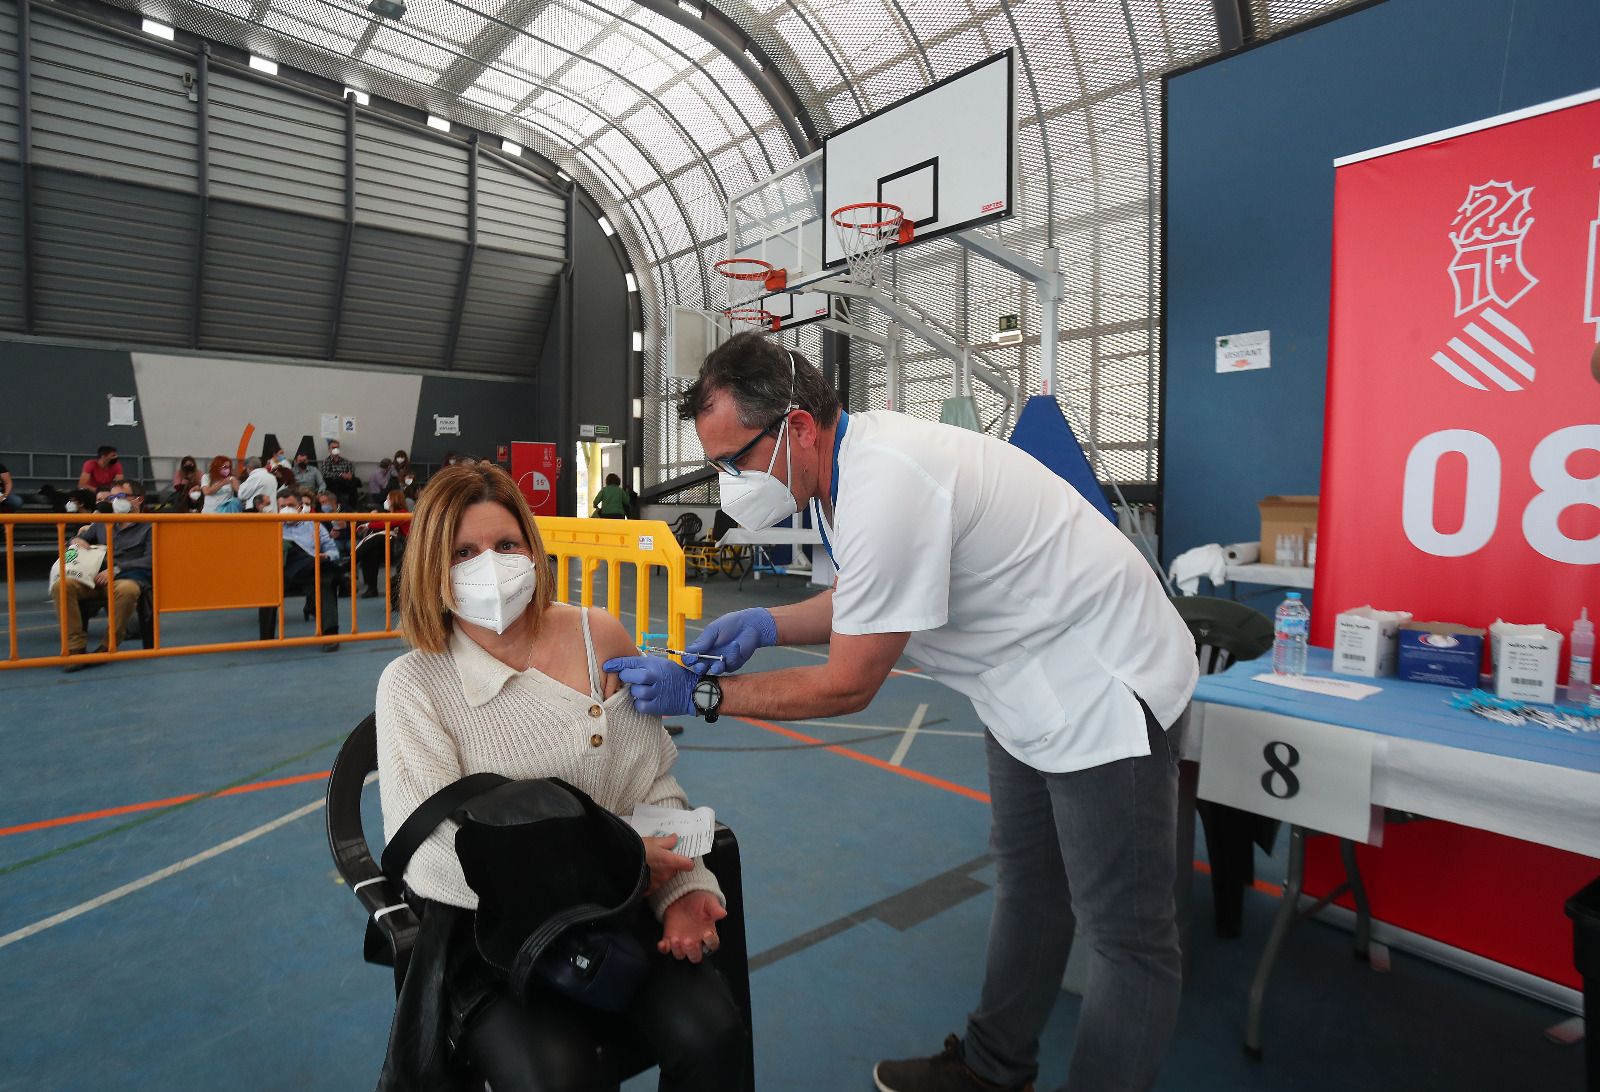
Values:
[(1092, 849)]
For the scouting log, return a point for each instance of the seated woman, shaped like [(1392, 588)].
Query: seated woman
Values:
[(369, 548), (505, 680)]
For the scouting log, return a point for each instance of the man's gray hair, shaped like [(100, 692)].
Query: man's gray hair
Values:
[(756, 374), (252, 463)]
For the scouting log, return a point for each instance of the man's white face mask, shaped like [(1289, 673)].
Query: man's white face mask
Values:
[(493, 589), (756, 499), (121, 505)]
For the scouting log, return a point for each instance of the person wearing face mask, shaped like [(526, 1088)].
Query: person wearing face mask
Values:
[(380, 481), (258, 492), (186, 474), (503, 679), (370, 549), (307, 475), (219, 487), (130, 554), (974, 561), (340, 475), (304, 540)]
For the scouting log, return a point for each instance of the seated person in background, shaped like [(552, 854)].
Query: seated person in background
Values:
[(303, 540), (340, 475), (327, 502), (410, 486), (220, 487), (402, 463), (130, 554), (185, 474), (100, 471), (369, 554), (9, 501), (306, 474), (188, 499), (380, 481), (504, 680), (259, 483), (612, 500)]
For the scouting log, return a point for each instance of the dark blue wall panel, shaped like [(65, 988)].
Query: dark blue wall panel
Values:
[(1250, 145)]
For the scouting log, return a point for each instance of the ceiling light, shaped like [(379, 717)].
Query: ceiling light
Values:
[(262, 64), (633, 285), (510, 147), (159, 30), (438, 123), (638, 342), (388, 9), (605, 226)]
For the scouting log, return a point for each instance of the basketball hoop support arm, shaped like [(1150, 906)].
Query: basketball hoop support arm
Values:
[(1046, 280)]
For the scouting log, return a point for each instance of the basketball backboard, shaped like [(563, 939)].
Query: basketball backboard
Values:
[(946, 155), (691, 335)]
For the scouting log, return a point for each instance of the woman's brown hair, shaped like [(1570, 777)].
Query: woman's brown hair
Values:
[(215, 470), (425, 599)]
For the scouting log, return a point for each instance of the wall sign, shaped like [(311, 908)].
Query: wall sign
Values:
[(1303, 772), (447, 426), (1461, 477), (1244, 352), (122, 410)]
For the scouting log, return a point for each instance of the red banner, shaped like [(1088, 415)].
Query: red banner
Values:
[(1461, 464), (1461, 467), (535, 468)]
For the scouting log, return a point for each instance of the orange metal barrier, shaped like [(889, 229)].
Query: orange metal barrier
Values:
[(219, 561)]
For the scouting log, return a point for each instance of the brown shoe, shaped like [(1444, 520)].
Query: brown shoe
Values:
[(944, 1072)]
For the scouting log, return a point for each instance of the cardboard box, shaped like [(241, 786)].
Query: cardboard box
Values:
[(1290, 515), (1367, 641), (1440, 652), (1525, 666)]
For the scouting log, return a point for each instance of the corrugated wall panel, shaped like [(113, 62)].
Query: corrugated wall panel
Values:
[(8, 80), (408, 181), (510, 300), (114, 260), (103, 106), (11, 288), (517, 213), (399, 295), (271, 279), (272, 146)]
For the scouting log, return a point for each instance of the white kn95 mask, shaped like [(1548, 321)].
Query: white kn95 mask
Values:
[(493, 589)]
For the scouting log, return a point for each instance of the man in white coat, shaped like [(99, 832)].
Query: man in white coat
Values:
[(970, 558)]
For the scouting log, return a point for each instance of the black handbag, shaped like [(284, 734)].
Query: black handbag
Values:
[(560, 882)]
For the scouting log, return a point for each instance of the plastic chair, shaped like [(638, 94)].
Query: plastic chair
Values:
[(1226, 632), (392, 927)]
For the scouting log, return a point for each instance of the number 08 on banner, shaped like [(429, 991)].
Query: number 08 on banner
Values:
[(1303, 772)]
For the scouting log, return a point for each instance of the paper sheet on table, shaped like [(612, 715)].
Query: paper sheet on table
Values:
[(1334, 688), (695, 829)]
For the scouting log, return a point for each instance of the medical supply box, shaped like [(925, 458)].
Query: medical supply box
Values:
[(1289, 515), (1525, 665), (1440, 652), (1367, 641)]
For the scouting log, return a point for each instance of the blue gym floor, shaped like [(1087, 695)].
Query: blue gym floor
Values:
[(211, 944)]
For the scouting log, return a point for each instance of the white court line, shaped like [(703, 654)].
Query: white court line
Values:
[(163, 873), (899, 755)]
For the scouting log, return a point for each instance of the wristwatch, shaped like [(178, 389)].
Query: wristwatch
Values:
[(708, 698)]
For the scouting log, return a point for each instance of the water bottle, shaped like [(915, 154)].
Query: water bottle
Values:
[(1291, 630)]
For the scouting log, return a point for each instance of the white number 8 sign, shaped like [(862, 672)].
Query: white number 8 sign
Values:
[(1541, 526)]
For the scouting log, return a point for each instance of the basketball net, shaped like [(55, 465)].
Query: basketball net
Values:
[(864, 231)]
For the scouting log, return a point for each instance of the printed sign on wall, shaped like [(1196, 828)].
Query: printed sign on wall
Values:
[(1461, 469)]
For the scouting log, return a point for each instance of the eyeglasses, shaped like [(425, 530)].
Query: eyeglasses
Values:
[(730, 464)]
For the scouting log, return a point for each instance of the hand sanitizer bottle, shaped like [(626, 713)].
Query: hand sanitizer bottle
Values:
[(1580, 689)]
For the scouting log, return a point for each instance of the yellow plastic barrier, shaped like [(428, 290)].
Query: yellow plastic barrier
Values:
[(228, 561), (644, 544)]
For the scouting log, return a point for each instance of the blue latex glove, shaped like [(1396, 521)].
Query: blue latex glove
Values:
[(660, 687), (735, 637)]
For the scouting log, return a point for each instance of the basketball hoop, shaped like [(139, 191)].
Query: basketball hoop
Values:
[(754, 269), (864, 231), (754, 316)]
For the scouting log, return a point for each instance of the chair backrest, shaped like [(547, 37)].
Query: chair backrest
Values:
[(391, 926), (686, 528), (1225, 632)]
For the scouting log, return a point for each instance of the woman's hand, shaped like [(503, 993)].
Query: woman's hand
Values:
[(689, 926), (664, 864)]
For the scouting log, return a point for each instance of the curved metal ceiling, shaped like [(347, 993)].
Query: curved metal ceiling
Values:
[(661, 108)]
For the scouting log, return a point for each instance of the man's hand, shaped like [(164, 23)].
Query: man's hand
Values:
[(664, 864), (660, 687), (689, 926), (735, 637), (101, 578)]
